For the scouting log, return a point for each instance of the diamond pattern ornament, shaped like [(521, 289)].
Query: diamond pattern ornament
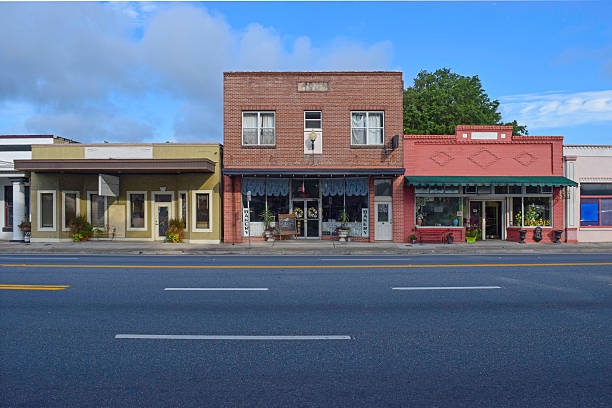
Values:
[(441, 158), (525, 158), (484, 158)]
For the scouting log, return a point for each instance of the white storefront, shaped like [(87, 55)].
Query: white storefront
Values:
[(588, 207)]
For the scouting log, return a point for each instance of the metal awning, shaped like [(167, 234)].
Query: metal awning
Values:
[(288, 172), (117, 165), (489, 181)]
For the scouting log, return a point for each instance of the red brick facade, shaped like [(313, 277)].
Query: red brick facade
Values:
[(343, 92)]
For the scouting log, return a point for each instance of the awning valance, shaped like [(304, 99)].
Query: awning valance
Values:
[(489, 181)]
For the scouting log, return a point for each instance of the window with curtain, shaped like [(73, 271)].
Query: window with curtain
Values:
[(367, 128), (137, 210), (258, 129)]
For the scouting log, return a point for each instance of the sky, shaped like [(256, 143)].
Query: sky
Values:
[(153, 72)]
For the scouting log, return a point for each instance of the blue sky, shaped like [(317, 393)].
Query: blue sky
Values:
[(153, 71)]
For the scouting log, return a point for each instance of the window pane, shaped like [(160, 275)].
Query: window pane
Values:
[(257, 205), (305, 188), (606, 212), (249, 136), (501, 189), (383, 188), (313, 124), (202, 211), (484, 189), (97, 211), (184, 208), (163, 198), (532, 190), (267, 136), (249, 120), (358, 119), (375, 120), (137, 203), (516, 189), (313, 115), (8, 206), (375, 136), (537, 211), (517, 212), (596, 189), (438, 211), (267, 120), (46, 210), (589, 211), (358, 136), (70, 206), (383, 212)]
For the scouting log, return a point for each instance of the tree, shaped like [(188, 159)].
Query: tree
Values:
[(439, 101)]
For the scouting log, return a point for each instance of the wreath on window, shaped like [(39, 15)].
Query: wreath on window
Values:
[(312, 212), (299, 213)]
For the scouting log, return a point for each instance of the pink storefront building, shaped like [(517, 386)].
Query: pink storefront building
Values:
[(485, 183)]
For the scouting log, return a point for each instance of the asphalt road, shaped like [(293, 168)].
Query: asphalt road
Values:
[(457, 331)]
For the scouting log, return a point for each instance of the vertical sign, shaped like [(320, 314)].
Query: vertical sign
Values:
[(365, 222), (246, 222)]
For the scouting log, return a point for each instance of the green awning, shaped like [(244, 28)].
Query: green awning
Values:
[(489, 181)]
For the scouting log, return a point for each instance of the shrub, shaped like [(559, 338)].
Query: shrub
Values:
[(176, 230), (80, 225)]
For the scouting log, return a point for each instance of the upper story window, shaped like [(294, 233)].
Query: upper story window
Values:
[(258, 128), (367, 128), (312, 120)]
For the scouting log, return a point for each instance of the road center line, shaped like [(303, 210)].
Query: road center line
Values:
[(302, 266), (208, 337), (219, 289), (446, 287), (33, 287)]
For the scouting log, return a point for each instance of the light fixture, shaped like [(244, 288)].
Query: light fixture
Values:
[(312, 136)]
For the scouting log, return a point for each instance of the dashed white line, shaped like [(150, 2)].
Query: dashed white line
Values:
[(223, 337), (220, 289), (446, 287)]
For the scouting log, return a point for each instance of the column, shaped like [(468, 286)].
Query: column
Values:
[(19, 210)]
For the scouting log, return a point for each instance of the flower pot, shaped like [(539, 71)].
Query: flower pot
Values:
[(450, 238), (85, 239), (470, 240), (413, 241), (455, 222), (557, 236), (522, 234)]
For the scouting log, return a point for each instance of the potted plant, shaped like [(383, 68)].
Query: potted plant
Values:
[(450, 238), (343, 231), (412, 238), (175, 231), (470, 235), (419, 219), (268, 217), (26, 227), (80, 229)]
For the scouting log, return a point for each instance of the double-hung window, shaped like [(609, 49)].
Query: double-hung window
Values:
[(367, 128), (258, 128), (312, 120)]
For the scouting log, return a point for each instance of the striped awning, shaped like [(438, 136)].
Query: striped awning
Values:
[(489, 181)]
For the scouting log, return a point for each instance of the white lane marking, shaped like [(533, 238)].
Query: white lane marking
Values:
[(220, 289), (207, 337), (446, 287)]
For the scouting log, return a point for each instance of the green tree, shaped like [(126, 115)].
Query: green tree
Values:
[(439, 101)]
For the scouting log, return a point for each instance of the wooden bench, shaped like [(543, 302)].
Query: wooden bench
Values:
[(431, 235)]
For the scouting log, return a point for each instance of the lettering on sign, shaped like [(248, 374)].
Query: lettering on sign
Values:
[(287, 224), (365, 222), (312, 87), (246, 222)]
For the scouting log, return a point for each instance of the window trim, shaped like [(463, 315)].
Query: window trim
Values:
[(366, 128), (89, 194), (180, 207), (194, 210), (321, 120), (258, 129), (129, 211), (78, 207), (39, 226)]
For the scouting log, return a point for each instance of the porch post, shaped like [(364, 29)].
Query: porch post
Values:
[(19, 210)]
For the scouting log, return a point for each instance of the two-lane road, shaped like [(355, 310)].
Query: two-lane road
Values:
[(444, 331)]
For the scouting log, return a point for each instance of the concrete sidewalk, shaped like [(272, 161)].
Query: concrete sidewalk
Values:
[(297, 247)]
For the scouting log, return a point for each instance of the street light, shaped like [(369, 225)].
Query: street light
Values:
[(312, 136)]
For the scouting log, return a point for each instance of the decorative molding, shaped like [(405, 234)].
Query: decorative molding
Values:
[(484, 158), (441, 158), (525, 158), (596, 151), (595, 179)]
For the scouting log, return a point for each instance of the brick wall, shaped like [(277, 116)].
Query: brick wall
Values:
[(278, 92)]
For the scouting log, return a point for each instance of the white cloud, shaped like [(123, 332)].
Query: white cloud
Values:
[(558, 109), (71, 63)]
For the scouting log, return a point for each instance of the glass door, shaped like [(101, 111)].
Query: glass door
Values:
[(476, 216), (307, 218)]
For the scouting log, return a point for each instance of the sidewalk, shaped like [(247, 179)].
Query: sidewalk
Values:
[(297, 247)]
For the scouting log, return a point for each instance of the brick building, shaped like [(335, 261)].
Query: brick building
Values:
[(484, 180), (314, 144)]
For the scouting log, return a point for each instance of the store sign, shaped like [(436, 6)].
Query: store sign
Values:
[(365, 222), (246, 222)]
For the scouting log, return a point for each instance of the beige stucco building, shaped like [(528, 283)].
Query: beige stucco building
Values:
[(126, 191)]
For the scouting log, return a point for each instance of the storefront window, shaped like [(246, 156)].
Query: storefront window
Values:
[(537, 211), (305, 188), (257, 206), (46, 210), (438, 211), (97, 210), (517, 212), (596, 212), (202, 210), (137, 210)]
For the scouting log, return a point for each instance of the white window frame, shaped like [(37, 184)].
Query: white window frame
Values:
[(180, 207), (367, 113), (129, 211), (194, 212), (259, 129), (78, 207), (321, 120), (89, 194), (39, 226)]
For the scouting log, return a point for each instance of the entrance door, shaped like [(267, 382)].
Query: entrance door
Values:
[(476, 216), (493, 220), (162, 214), (384, 221), (307, 218)]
